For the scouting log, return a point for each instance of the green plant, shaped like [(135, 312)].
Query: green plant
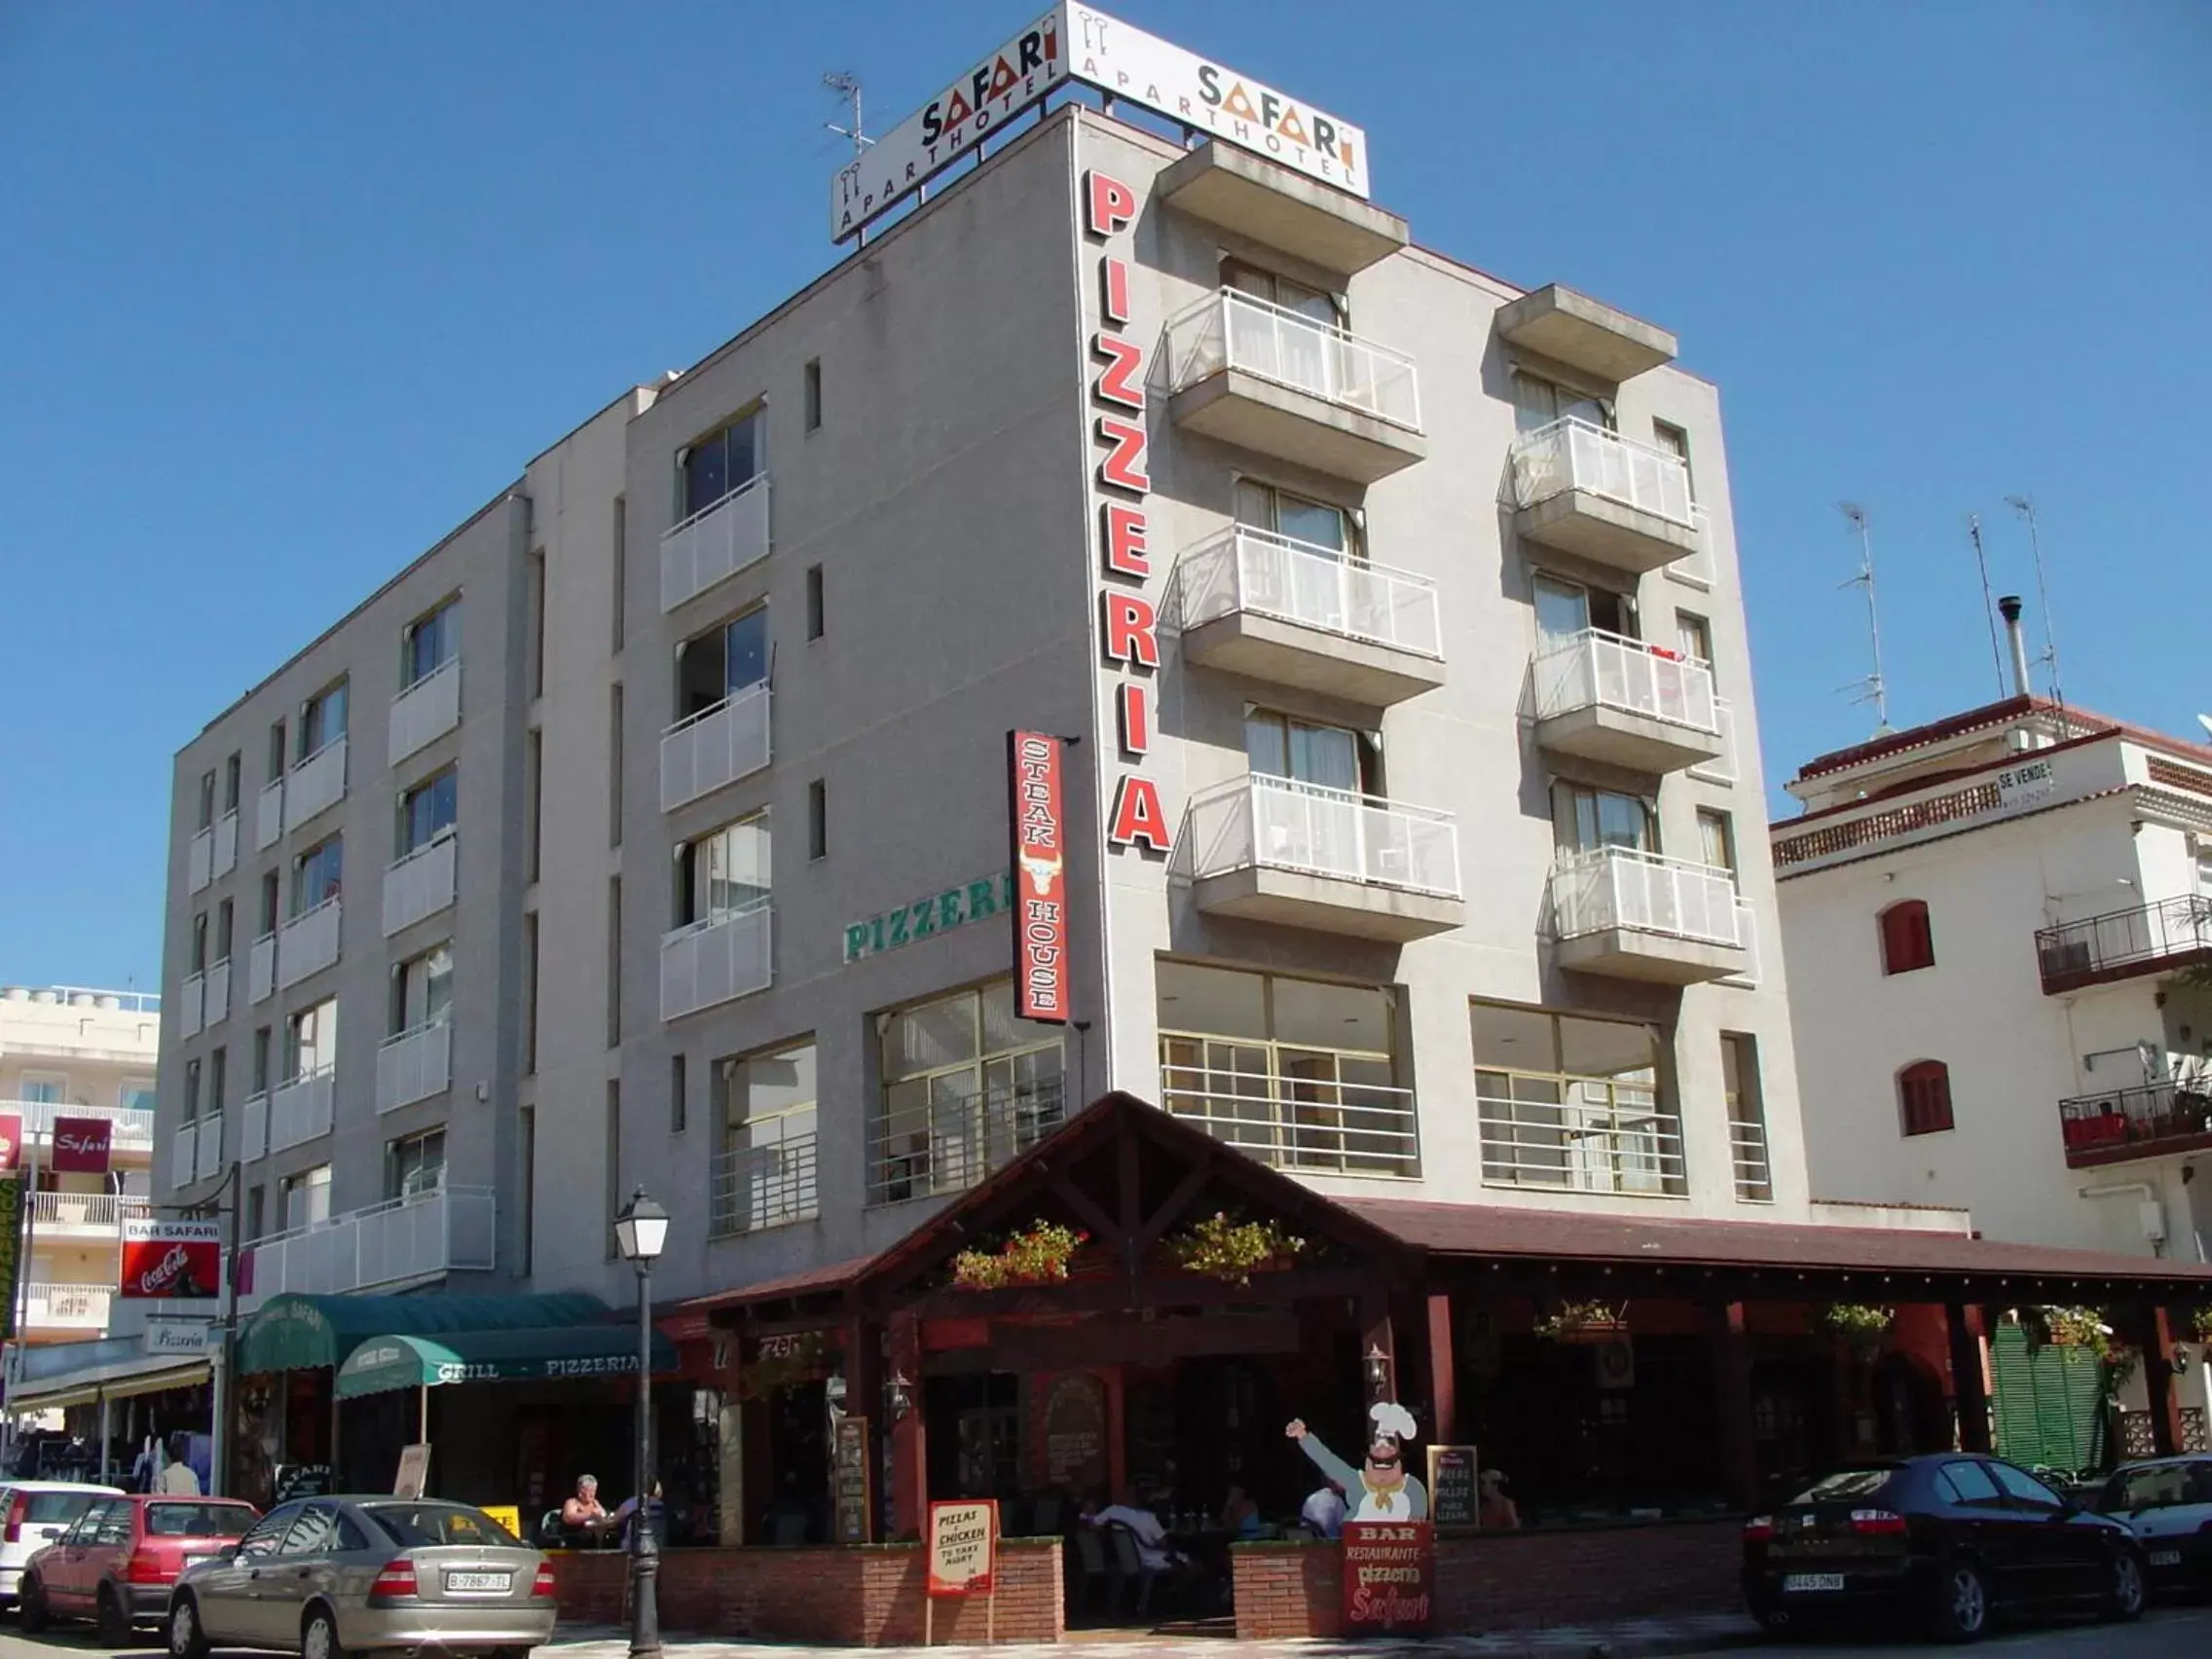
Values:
[(1578, 1318), (2076, 1327), (1233, 1250), (1038, 1255), (2201, 1323), (1855, 1319), (796, 1363)]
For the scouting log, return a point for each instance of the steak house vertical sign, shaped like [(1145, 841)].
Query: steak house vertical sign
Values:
[(1040, 877)]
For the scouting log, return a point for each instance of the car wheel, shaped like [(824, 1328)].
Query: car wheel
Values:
[(318, 1636), (30, 1606), (1960, 1609), (109, 1622), (2124, 1594), (1771, 1619), (187, 1639)]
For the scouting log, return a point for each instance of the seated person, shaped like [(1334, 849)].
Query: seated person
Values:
[(1240, 1516), (1151, 1535), (1495, 1508), (1323, 1511), (584, 1508)]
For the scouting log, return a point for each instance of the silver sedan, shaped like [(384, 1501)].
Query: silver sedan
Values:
[(329, 1576)]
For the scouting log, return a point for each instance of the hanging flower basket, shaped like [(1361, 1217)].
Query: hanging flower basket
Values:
[(1233, 1251), (1038, 1255), (799, 1362), (1861, 1327), (1584, 1322), (2075, 1327)]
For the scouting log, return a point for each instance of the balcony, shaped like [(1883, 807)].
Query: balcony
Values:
[(191, 1005), (1321, 1126), (1291, 613), (726, 956), (403, 1240), (2120, 944), (261, 968), (1277, 382), (2151, 1121), (1238, 191), (226, 843), (1590, 492), (301, 1110), (1753, 1161), (200, 859), (753, 1188), (316, 783), (1580, 1134), (196, 1152), (83, 1217), (1627, 703), (269, 817), (254, 1136), (419, 884), (310, 944), (413, 1065), (426, 711), (715, 543), (79, 1309), (1723, 768), (215, 1006), (1276, 850), (951, 1143), (130, 1138), (1576, 330), (715, 747), (1634, 915)]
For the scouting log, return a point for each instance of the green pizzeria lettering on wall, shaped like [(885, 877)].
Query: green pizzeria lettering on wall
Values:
[(938, 912)]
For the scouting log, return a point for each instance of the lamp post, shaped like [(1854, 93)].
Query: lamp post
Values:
[(640, 1231)]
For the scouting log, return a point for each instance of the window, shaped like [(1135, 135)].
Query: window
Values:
[(430, 644), (137, 1094), (416, 1163), (814, 394), (966, 1087), (311, 1040), (533, 798), (307, 1198), (2024, 1490), (615, 765), (1747, 1118), (1675, 442), (527, 1120), (614, 960), (538, 623), (429, 810), (316, 875), (218, 1081), (278, 751), (1539, 402), (1566, 609), (724, 871), (49, 1090), (1907, 943), (530, 993), (198, 948), (1585, 819), (190, 1092), (1317, 524), (610, 1157), (1716, 839), (256, 1208), (716, 467), (206, 817), (422, 991), (814, 616), (1308, 302), (223, 931), (269, 905), (817, 819), (233, 781), (262, 1038), (1924, 1090), (322, 721), (1694, 636), (763, 1166), (265, 1534), (1571, 1102), (679, 1092), (720, 662), (619, 600), (1282, 746)]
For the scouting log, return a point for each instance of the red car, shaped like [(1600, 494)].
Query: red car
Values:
[(116, 1563)]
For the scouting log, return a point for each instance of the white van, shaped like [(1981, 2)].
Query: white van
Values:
[(32, 1514)]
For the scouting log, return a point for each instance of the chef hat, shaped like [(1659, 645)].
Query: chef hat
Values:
[(1391, 1418)]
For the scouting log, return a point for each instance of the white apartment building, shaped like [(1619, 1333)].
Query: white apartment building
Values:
[(1989, 921)]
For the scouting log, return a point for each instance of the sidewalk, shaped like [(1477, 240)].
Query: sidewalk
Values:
[(1629, 1639)]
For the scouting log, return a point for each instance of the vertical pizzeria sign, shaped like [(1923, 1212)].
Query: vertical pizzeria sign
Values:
[(1039, 876)]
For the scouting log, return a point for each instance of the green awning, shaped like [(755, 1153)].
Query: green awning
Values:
[(386, 1362), (302, 1333)]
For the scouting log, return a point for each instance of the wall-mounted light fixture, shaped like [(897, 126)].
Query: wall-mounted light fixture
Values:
[(898, 1395)]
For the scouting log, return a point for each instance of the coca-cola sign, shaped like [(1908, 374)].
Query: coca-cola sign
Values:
[(81, 1145), (171, 1260)]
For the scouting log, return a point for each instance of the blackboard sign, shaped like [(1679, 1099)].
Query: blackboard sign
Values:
[(1453, 1497), (1075, 1432), (300, 1480), (853, 1478)]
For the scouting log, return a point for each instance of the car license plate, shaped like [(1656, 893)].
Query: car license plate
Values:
[(499, 1582), (2165, 1558), (1812, 1581)]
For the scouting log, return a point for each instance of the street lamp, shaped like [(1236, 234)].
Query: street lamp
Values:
[(640, 1232)]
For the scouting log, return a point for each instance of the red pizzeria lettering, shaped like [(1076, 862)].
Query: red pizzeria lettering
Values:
[(1113, 203), (1131, 629), (1115, 275), (1121, 379), (1137, 819), (1124, 467), (1136, 719), (1124, 532)]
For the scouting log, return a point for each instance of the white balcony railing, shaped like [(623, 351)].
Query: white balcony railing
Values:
[(1256, 571), (1597, 669), (413, 1065), (763, 1185), (426, 711), (727, 955), (133, 1128), (208, 1148), (1321, 1124), (261, 968), (1587, 1134), (418, 1236), (301, 1110), (1746, 978), (200, 859), (1695, 570), (715, 747), (1281, 824), (80, 1215), (269, 816), (1574, 454), (1621, 887), (191, 1005), (253, 1136), (183, 1148), (309, 943), (1722, 767), (315, 783), (226, 843), (419, 884), (215, 1004), (66, 1306), (1230, 330), (1753, 1163), (715, 542)]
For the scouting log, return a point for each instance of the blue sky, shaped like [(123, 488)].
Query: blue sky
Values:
[(286, 291)]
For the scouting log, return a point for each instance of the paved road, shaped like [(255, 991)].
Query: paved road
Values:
[(2168, 1632)]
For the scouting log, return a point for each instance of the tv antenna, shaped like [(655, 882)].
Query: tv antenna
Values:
[(1874, 688), (2026, 507), (847, 84), (1988, 606)]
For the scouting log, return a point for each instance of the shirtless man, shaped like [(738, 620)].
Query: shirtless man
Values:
[(584, 1510)]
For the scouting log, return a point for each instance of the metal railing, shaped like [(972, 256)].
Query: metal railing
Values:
[(1615, 672), (1259, 821), (191, 1005), (715, 542), (134, 1124), (2143, 937), (1321, 1125), (951, 1143), (1580, 1134), (2139, 1121), (317, 781), (86, 1212), (301, 1110), (715, 747), (727, 955), (215, 1003), (1256, 571), (200, 859), (127, 1002), (413, 1065), (66, 1306), (1230, 330), (254, 1137), (309, 943), (763, 1185), (426, 711), (261, 967), (420, 1236), (1574, 454), (269, 816), (1622, 887), (1753, 1161), (419, 883)]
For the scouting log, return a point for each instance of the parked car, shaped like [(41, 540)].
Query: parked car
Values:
[(1949, 1540), (116, 1563), (2167, 1502), (32, 1514), (325, 1577)]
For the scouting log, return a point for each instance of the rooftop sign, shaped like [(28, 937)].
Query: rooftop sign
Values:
[(1078, 43)]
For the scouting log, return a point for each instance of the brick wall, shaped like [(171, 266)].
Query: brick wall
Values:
[(1508, 1580), (869, 1597)]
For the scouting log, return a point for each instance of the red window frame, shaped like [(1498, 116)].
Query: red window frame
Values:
[(1907, 941), (1924, 1097)]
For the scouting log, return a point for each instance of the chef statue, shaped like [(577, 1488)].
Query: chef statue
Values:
[(1380, 1489)]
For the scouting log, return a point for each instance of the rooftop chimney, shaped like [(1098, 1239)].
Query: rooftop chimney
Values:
[(2009, 607)]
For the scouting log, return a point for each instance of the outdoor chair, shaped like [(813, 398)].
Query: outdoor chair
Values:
[(1099, 1581), (1129, 1566)]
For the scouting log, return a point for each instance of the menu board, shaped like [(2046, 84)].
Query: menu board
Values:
[(853, 1481), (300, 1480), (1075, 1432), (1453, 1499)]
